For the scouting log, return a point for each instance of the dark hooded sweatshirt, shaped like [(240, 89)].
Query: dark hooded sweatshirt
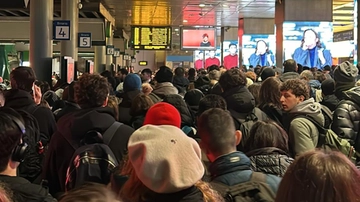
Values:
[(22, 100), (24, 191), (72, 129)]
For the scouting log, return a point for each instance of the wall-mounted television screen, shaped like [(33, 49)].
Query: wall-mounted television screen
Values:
[(258, 50), (308, 43), (195, 38)]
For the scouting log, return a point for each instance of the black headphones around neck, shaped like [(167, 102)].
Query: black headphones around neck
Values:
[(19, 151)]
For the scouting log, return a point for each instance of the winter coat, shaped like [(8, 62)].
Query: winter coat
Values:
[(303, 134), (346, 117), (166, 88), (270, 160)]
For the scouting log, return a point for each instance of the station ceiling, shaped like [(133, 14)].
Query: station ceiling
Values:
[(183, 12)]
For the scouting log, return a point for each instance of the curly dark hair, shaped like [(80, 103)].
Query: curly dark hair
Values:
[(232, 78), (91, 90), (298, 87)]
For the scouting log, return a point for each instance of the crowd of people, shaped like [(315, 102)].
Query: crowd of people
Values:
[(208, 135)]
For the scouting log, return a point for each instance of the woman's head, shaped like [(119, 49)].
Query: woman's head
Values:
[(262, 47), (319, 176), (270, 93), (310, 39), (113, 103), (266, 134), (140, 105)]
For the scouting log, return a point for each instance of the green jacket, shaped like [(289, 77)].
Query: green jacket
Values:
[(303, 134)]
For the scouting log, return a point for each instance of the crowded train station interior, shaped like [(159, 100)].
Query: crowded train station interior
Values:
[(179, 101)]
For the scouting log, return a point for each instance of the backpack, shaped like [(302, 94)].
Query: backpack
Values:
[(328, 116), (31, 168), (244, 124), (329, 140), (255, 190), (93, 161)]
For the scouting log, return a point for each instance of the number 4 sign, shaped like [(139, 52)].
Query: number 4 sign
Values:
[(84, 40), (61, 30)]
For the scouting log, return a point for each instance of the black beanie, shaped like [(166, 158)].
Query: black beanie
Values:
[(328, 87), (266, 73), (164, 75)]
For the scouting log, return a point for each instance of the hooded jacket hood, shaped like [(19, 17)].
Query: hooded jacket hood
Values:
[(353, 95), (289, 75), (310, 108), (239, 99), (75, 125), (18, 99)]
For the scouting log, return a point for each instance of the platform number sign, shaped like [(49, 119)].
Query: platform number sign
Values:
[(61, 30), (110, 50), (117, 52), (84, 40)]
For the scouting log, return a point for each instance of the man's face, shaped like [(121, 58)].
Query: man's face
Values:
[(261, 47), (205, 39), (289, 100), (310, 39), (212, 54), (232, 50)]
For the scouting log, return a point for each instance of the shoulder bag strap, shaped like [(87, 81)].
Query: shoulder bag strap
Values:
[(110, 132)]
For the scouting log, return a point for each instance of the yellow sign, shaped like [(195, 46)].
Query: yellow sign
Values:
[(151, 38), (143, 63)]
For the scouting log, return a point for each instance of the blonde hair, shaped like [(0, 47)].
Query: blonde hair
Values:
[(90, 192), (113, 103), (135, 190)]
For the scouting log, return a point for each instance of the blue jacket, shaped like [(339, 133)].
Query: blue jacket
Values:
[(255, 60), (303, 57), (234, 168)]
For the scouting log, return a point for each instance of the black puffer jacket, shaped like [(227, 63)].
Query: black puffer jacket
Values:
[(179, 103), (270, 160), (346, 117)]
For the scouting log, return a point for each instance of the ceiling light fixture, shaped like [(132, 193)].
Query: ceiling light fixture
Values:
[(185, 21), (202, 5), (176, 30)]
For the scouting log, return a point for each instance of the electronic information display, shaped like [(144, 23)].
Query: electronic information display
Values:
[(151, 38)]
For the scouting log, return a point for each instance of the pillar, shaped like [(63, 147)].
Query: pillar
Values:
[(99, 58), (109, 58), (240, 41), (301, 11), (41, 48), (70, 11)]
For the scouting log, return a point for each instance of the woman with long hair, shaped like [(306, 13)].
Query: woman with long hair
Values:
[(319, 176), (269, 99), (267, 148)]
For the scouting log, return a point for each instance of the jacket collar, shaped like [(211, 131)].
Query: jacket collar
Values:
[(229, 163)]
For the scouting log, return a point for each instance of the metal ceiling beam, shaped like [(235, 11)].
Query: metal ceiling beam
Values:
[(82, 14), (12, 13), (24, 12)]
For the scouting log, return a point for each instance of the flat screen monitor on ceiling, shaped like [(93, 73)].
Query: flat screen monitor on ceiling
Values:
[(151, 38), (195, 38)]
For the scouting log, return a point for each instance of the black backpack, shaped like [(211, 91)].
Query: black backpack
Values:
[(255, 190), (93, 161), (31, 168), (244, 124)]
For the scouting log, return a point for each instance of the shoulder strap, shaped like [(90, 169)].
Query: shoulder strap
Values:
[(312, 120), (110, 132), (327, 111), (258, 177)]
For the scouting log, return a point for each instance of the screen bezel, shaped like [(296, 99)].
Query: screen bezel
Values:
[(198, 48)]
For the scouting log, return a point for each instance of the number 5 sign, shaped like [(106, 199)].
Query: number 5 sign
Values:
[(84, 40), (61, 30)]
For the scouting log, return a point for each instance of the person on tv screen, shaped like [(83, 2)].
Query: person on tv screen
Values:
[(205, 42), (311, 53), (232, 59), (262, 55), (199, 62), (212, 60)]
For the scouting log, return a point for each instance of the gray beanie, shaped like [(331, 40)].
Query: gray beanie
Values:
[(345, 73)]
